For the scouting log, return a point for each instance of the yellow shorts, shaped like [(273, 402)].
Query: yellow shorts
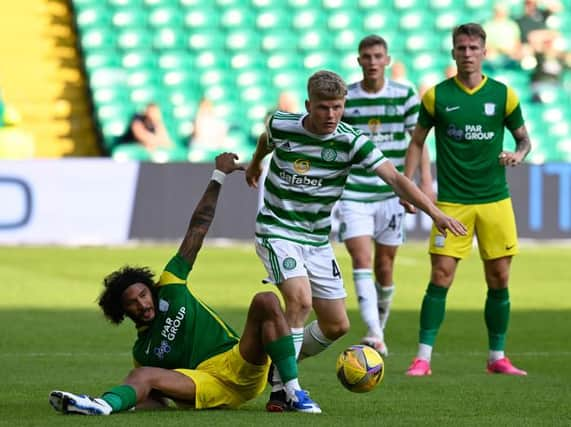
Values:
[(227, 380), (492, 223)]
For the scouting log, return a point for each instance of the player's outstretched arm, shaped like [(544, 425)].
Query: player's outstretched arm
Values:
[(254, 169), (408, 191), (523, 147), (416, 156), (204, 211)]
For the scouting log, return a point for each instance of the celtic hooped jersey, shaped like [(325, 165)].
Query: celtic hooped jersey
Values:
[(385, 117), (185, 330), (469, 132), (306, 177)]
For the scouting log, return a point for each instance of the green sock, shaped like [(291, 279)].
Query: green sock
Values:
[(432, 313), (282, 353), (121, 397), (497, 315)]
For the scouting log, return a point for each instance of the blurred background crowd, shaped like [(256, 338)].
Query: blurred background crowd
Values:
[(182, 80)]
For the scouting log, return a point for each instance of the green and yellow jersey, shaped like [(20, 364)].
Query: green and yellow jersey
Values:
[(469, 132), (185, 331)]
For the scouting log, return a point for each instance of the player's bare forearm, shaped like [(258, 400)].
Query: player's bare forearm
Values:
[(204, 212), (200, 222), (414, 153), (522, 141), (254, 169), (523, 147)]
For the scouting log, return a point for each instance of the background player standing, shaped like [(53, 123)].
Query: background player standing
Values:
[(469, 113), (385, 111)]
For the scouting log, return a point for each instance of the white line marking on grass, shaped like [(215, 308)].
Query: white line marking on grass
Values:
[(82, 354)]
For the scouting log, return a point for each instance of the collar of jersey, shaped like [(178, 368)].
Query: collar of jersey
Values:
[(468, 90)]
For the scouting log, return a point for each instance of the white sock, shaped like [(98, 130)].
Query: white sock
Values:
[(367, 297), (385, 295), (494, 355), (297, 335), (424, 352), (291, 386), (314, 342)]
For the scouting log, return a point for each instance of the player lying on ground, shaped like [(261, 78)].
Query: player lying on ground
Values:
[(184, 351)]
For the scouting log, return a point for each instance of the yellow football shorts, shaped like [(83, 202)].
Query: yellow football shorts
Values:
[(492, 223), (227, 380)]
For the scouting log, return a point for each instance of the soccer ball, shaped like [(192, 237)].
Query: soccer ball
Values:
[(360, 368)]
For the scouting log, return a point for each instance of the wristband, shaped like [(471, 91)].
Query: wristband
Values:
[(218, 176)]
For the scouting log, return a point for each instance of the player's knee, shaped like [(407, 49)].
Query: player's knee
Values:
[(361, 260), (441, 276), (267, 302), (141, 375), (298, 304), (335, 330)]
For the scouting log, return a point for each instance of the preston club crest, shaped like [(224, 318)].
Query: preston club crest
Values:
[(489, 108)]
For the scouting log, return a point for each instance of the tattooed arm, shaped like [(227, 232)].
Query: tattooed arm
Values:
[(204, 213), (523, 146)]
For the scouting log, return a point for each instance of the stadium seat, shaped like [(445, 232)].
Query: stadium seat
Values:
[(202, 17), (167, 38), (243, 39), (377, 22), (245, 60), (343, 19), (129, 18), (93, 16), (100, 59), (308, 19), (138, 59), (273, 19), (237, 17), (165, 16), (347, 40), (175, 60), (275, 41), (134, 38), (97, 38), (206, 39), (374, 5), (314, 39)]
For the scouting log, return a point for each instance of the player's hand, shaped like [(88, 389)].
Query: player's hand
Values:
[(253, 173), (408, 207), (508, 158), (444, 222), (226, 162)]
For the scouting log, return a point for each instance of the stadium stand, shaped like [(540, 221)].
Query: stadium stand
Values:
[(40, 73), (242, 53)]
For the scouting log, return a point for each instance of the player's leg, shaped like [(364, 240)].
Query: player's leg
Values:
[(267, 333), (284, 263), (385, 288), (356, 231), (135, 389), (445, 252), (328, 301), (497, 241)]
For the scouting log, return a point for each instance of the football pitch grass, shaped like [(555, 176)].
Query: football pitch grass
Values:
[(53, 337)]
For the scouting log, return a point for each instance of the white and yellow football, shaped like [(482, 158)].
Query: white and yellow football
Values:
[(360, 368)]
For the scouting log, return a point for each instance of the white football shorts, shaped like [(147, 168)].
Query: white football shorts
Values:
[(383, 221), (284, 259)]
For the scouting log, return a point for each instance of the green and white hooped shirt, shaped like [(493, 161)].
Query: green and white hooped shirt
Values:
[(306, 177)]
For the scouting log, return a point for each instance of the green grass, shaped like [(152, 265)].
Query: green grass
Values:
[(54, 337)]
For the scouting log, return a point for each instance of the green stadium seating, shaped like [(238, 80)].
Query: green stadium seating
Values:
[(134, 38), (243, 53), (202, 17), (165, 17), (274, 19), (129, 18)]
